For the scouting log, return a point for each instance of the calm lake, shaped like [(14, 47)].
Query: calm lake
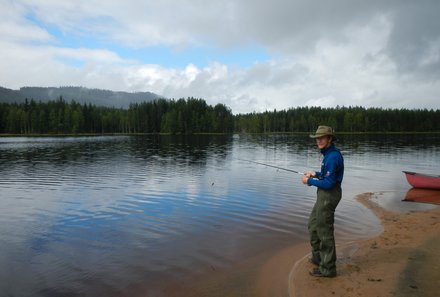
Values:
[(113, 215)]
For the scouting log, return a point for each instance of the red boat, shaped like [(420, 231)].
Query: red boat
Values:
[(425, 181)]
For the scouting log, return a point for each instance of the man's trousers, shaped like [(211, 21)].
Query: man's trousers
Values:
[(321, 228)]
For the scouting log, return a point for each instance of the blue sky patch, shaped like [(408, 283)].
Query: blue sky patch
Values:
[(163, 55)]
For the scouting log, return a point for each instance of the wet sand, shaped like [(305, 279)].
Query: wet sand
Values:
[(402, 261), (257, 276)]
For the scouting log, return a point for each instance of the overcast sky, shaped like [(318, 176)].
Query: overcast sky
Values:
[(251, 55)]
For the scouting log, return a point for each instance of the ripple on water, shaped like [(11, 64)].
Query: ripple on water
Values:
[(88, 215)]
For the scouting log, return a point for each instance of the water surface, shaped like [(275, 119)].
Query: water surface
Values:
[(89, 216)]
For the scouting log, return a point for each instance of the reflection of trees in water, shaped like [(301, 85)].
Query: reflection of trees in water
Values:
[(182, 148), (190, 150), (389, 142), (190, 153), (61, 150), (106, 158)]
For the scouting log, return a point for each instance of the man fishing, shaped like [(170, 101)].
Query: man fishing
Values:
[(329, 193)]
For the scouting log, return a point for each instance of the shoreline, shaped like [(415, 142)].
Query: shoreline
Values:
[(55, 134), (382, 265), (401, 261)]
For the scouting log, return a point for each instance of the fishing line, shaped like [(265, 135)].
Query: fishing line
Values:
[(268, 165)]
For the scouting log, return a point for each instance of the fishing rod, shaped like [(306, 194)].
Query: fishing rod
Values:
[(280, 168)]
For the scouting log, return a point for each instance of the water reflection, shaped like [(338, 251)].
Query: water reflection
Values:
[(423, 196), (94, 216), (392, 201)]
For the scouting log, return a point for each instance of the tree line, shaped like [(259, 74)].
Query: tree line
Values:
[(183, 116), (191, 115), (342, 119)]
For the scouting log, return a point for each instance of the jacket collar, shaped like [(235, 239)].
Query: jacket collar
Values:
[(328, 149)]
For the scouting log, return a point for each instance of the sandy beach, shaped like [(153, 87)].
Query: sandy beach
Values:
[(402, 261)]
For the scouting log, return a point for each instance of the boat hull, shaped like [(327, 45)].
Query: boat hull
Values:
[(423, 181)]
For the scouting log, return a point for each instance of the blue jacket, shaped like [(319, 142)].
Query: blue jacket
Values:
[(332, 169)]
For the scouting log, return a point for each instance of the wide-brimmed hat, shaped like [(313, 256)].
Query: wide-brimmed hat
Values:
[(323, 131)]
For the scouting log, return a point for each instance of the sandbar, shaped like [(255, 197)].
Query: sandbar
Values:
[(402, 261)]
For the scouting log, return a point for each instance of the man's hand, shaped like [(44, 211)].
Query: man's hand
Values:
[(305, 178), (310, 174), (307, 175)]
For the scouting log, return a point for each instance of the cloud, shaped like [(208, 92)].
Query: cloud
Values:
[(414, 42), (15, 28), (341, 52)]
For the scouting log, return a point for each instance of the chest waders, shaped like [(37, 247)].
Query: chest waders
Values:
[(321, 229)]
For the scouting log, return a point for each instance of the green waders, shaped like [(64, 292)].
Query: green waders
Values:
[(321, 229)]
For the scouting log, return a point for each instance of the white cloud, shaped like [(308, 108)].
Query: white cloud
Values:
[(370, 53), (15, 28)]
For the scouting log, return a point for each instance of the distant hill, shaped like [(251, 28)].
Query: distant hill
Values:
[(79, 94)]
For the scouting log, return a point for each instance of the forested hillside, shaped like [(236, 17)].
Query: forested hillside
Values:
[(186, 116), (81, 95)]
